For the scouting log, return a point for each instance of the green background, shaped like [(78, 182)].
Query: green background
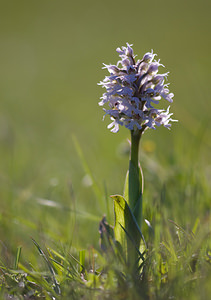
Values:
[(51, 61)]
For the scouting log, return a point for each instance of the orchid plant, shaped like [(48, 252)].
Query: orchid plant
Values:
[(133, 87)]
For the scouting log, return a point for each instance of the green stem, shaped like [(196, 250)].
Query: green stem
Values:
[(134, 197), (134, 178)]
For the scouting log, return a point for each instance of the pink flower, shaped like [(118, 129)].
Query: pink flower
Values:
[(132, 88)]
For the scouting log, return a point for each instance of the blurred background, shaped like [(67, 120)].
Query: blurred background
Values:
[(51, 61)]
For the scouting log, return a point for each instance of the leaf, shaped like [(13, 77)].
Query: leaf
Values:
[(126, 229), (135, 246), (126, 193), (126, 185), (141, 178), (137, 210)]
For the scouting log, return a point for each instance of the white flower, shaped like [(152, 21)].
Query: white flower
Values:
[(132, 88)]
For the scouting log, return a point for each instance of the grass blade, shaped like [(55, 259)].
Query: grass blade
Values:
[(17, 257), (57, 287)]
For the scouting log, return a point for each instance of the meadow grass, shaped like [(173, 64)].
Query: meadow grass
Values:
[(63, 259)]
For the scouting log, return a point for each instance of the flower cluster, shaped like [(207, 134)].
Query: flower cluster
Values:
[(131, 90)]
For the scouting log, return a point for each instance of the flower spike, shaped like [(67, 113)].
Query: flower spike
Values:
[(131, 90)]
